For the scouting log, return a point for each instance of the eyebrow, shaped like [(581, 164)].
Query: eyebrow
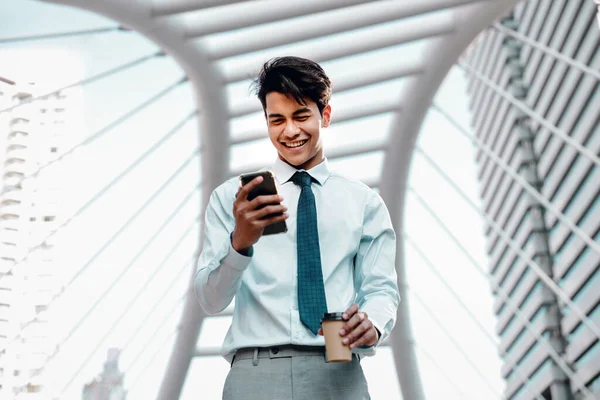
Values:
[(299, 111)]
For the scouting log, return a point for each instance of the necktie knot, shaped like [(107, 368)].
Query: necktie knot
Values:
[(301, 178)]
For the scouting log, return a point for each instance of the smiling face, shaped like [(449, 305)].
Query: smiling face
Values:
[(295, 129)]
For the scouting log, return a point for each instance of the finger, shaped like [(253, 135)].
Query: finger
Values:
[(244, 190), (265, 199), (273, 209), (320, 331), (353, 322), (367, 338), (356, 333), (353, 309), (263, 223)]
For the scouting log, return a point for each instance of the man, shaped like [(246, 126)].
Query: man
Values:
[(343, 253)]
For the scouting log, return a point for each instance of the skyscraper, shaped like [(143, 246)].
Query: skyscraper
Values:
[(30, 208), (535, 105)]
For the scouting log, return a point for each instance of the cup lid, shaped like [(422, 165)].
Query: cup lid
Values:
[(336, 316)]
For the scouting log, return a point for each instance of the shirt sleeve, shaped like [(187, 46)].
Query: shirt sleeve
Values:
[(220, 266), (375, 270)]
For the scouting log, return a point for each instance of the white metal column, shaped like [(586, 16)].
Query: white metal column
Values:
[(213, 130), (440, 57)]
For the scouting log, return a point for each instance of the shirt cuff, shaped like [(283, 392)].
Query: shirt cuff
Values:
[(236, 260)]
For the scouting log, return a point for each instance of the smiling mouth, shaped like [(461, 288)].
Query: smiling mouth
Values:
[(293, 145)]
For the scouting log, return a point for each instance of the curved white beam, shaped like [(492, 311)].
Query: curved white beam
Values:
[(171, 7), (387, 36), (257, 13), (171, 34), (324, 24), (213, 130), (470, 21)]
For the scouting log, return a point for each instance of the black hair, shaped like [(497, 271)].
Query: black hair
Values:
[(298, 78)]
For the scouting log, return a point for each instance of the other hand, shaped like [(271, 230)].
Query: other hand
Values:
[(358, 330)]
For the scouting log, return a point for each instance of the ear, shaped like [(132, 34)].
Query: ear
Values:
[(326, 116)]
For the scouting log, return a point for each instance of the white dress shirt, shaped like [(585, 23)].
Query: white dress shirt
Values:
[(358, 250)]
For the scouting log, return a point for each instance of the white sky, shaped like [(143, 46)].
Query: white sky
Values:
[(98, 163)]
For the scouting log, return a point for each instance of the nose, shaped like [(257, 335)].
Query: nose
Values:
[(291, 129)]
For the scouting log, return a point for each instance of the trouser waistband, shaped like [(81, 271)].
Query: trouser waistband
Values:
[(290, 350)]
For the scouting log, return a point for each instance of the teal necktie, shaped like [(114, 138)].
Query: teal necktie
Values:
[(311, 290)]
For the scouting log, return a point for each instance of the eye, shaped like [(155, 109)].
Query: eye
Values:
[(275, 121), (302, 118)]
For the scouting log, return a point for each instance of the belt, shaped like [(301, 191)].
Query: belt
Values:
[(284, 351)]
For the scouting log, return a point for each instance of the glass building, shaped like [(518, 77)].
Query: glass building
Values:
[(34, 134), (537, 113)]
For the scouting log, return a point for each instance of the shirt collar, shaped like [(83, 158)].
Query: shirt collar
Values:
[(283, 171)]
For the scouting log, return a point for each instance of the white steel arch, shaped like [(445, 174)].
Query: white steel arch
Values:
[(162, 22), (212, 117), (406, 127)]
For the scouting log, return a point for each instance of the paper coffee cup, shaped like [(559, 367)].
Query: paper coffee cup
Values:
[(335, 349)]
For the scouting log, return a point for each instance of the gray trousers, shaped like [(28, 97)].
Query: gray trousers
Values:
[(289, 373)]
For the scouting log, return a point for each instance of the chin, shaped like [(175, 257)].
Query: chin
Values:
[(295, 162), (292, 159)]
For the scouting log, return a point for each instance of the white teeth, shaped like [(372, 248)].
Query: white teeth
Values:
[(296, 144)]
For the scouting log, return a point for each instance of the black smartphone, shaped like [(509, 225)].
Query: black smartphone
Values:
[(267, 187)]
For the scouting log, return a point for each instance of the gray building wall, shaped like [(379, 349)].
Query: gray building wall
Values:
[(569, 99)]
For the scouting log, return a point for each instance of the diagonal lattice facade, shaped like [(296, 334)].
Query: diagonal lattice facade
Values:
[(537, 69)]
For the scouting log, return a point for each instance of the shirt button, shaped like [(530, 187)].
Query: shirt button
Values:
[(275, 350)]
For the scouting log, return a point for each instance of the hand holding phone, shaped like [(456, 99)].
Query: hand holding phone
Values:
[(257, 210)]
